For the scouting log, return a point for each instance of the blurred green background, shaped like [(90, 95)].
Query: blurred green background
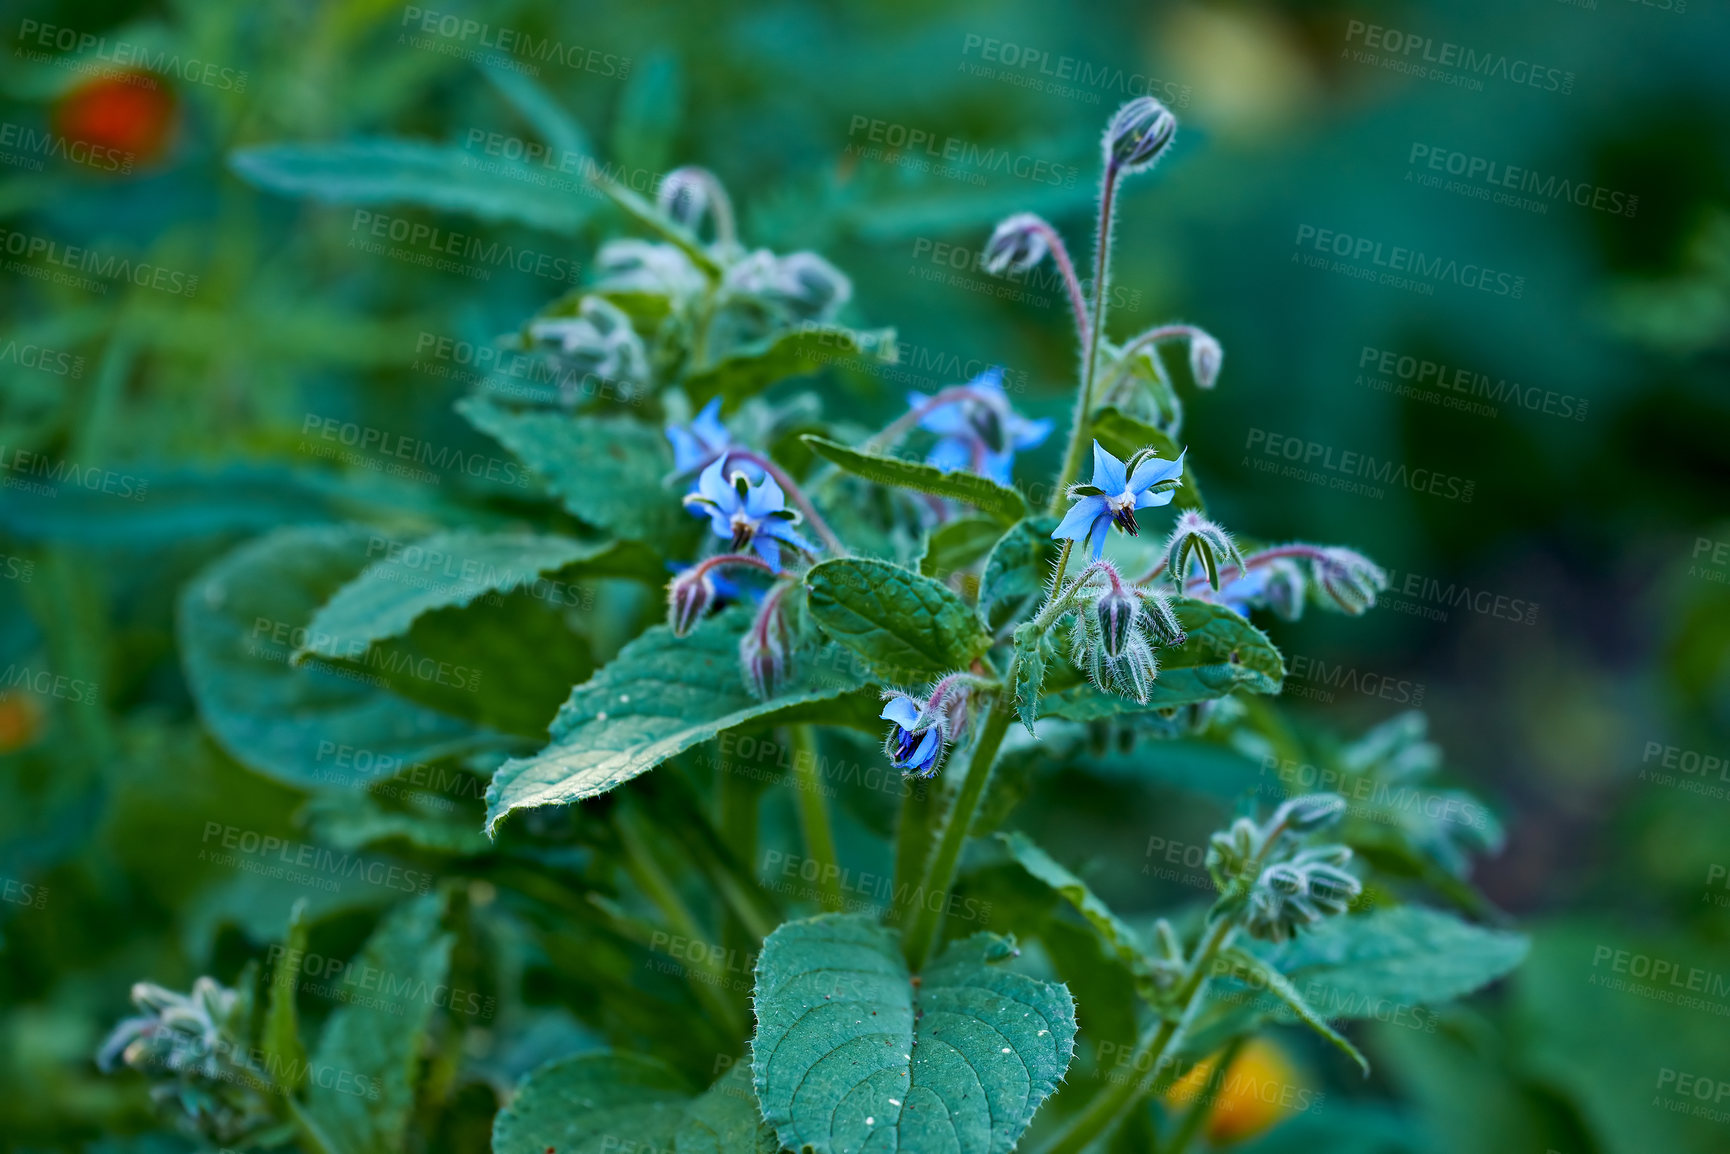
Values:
[(1567, 628)]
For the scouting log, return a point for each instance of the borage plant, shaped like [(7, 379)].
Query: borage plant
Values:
[(822, 581)]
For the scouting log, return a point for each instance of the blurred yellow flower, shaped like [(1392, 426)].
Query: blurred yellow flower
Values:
[(1260, 1087)]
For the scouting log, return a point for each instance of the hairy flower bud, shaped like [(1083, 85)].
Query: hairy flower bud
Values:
[(1283, 589), (1016, 245), (1301, 892), (1350, 579), (598, 341), (1118, 612), (809, 287), (689, 596), (683, 196), (1138, 133), (765, 651), (1205, 356), (1195, 538), (1312, 811), (1229, 852)]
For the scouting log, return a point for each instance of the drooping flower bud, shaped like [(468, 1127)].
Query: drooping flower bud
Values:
[(1017, 244), (599, 341), (765, 651), (1138, 133), (1118, 612), (1312, 811), (1195, 538), (1205, 356), (683, 196), (1161, 617), (1283, 589), (809, 287), (689, 596), (1350, 579)]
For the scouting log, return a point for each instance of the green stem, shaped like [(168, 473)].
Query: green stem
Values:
[(913, 834), (1073, 457), (1150, 1052), (814, 817), (940, 873)]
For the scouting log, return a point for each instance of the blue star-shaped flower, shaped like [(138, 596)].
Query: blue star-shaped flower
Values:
[(701, 440), (980, 433), (1114, 495), (749, 515), (915, 754)]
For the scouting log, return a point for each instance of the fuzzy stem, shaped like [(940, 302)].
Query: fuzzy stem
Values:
[(1253, 561), (791, 488), (1072, 458), (940, 872), (814, 817), (719, 560), (1151, 336), (902, 425), (1065, 266)]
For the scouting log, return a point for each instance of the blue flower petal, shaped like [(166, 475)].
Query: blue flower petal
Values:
[(1107, 471), (1025, 434), (1096, 535), (1153, 470), (950, 454), (925, 753), (764, 498), (708, 427), (902, 710), (713, 485), (991, 378), (1155, 500), (1079, 521), (775, 527)]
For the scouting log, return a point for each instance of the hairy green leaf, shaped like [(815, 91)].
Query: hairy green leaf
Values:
[(905, 626), (362, 1089), (745, 372), (608, 470), (1117, 935), (851, 1054), (1016, 571), (957, 544), (1029, 673), (544, 114), (984, 494), (441, 571), (1258, 974), (413, 172), (661, 695), (239, 621), (601, 1103)]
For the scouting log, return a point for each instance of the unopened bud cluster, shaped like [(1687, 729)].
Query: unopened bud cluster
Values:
[(1282, 885), (1115, 630)]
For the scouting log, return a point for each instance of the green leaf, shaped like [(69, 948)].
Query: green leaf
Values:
[(537, 106), (660, 696), (905, 626), (283, 1051), (412, 172), (1259, 975), (608, 471), (436, 572), (840, 1020), (984, 494), (237, 624), (646, 126), (1113, 930), (607, 1103), (363, 1087), (956, 544), (1029, 673), (1123, 436), (747, 371), (1016, 571), (1355, 967), (1222, 653), (352, 824)]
